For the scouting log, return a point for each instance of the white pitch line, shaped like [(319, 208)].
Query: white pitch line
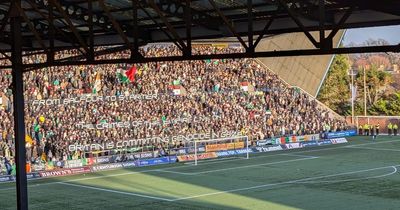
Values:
[(239, 189), (294, 155), (371, 148), (376, 142), (222, 160), (349, 180), (254, 165), (175, 172), (115, 191), (238, 167), (151, 170), (342, 147), (135, 172), (279, 183), (167, 170)]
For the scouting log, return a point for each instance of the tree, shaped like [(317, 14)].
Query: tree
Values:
[(376, 83), (335, 92), (378, 61), (389, 105)]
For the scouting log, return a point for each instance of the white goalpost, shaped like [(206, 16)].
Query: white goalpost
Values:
[(237, 145)]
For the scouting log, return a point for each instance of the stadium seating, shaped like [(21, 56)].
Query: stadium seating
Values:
[(222, 95)]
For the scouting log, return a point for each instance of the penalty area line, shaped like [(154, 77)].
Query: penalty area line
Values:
[(247, 166), (299, 181), (355, 179)]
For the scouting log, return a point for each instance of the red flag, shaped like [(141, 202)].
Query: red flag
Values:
[(131, 73)]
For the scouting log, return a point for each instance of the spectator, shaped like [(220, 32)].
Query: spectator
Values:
[(226, 95)]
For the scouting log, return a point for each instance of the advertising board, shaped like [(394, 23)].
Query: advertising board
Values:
[(191, 157), (342, 134)]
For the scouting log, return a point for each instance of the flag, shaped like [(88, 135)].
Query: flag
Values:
[(121, 76), (244, 86), (247, 87), (126, 76), (353, 90), (131, 73), (178, 90), (97, 83)]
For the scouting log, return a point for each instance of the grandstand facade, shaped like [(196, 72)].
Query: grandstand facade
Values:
[(306, 72)]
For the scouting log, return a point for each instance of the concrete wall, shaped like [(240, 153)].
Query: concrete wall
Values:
[(306, 72)]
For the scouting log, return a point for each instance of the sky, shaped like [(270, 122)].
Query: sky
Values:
[(359, 35)]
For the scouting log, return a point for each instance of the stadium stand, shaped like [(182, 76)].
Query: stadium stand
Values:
[(63, 105)]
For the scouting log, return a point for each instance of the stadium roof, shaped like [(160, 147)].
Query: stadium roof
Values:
[(52, 25)]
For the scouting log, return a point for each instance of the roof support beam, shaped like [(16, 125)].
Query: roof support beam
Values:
[(71, 26), (174, 7), (298, 22), (280, 53), (264, 31), (160, 27), (115, 24), (50, 53), (227, 23), (188, 21), (2, 27), (167, 23), (135, 54), (4, 21), (91, 35), (51, 24), (32, 28), (323, 42), (250, 26), (18, 105), (339, 25)]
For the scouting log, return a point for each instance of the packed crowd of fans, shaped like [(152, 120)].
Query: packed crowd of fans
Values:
[(228, 95)]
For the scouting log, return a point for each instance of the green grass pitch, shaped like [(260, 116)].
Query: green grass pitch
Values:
[(362, 174)]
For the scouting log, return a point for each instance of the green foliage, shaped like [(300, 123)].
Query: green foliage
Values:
[(376, 83), (387, 106), (335, 92)]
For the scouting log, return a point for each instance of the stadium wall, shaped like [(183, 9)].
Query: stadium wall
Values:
[(383, 121), (306, 72)]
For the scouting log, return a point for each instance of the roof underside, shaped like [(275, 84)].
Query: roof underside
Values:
[(155, 18), (49, 26)]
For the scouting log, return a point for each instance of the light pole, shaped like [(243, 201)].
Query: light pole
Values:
[(352, 89), (365, 95)]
